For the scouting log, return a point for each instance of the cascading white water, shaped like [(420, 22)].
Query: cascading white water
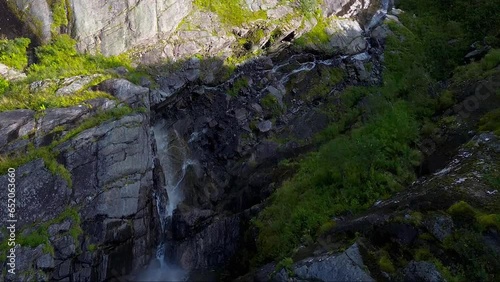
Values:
[(172, 157)]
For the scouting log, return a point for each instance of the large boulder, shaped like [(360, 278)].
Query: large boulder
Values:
[(346, 266)]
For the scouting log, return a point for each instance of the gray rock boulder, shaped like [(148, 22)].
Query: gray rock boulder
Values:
[(10, 73), (74, 84), (346, 266), (127, 92), (36, 14), (15, 124)]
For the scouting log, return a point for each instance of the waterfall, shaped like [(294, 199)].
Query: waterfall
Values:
[(172, 156)]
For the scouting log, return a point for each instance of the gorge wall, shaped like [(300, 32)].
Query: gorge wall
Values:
[(94, 192)]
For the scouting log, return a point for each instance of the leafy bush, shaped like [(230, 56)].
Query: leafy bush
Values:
[(13, 52)]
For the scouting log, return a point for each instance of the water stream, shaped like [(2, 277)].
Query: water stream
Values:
[(173, 158)]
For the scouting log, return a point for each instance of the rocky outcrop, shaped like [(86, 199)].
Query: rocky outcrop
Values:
[(36, 14), (10, 73), (90, 196), (157, 29), (346, 266)]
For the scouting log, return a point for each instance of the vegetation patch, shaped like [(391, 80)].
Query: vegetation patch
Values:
[(491, 122), (369, 151), (13, 52), (232, 13), (238, 85), (38, 234), (56, 60)]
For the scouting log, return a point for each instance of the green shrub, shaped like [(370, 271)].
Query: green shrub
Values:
[(347, 175), (423, 254), (13, 52), (328, 77), (4, 85), (462, 209)]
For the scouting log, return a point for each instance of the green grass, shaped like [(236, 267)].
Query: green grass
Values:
[(13, 53), (60, 59), (232, 13), (56, 60), (4, 85)]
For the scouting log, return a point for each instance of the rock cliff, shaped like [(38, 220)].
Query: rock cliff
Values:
[(158, 29)]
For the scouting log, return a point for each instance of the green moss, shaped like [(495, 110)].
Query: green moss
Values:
[(48, 153), (462, 209), (92, 247), (38, 234), (13, 52), (318, 35), (113, 114), (491, 122), (271, 103), (489, 220), (238, 85), (386, 264), (59, 14), (326, 227), (286, 264), (60, 59), (423, 254), (233, 13)]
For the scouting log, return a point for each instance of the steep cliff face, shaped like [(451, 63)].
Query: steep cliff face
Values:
[(156, 29), (93, 218)]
